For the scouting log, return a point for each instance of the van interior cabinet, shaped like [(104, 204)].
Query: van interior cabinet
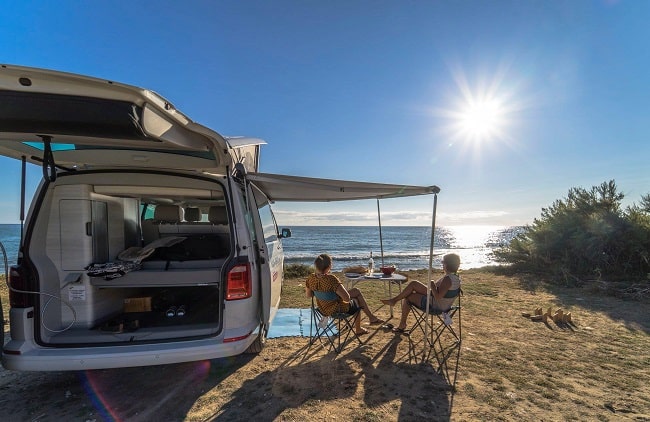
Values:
[(140, 313), (162, 307)]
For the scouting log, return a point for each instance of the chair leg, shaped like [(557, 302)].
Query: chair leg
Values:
[(435, 332), (346, 331), (445, 352), (338, 331), (422, 323), (320, 331)]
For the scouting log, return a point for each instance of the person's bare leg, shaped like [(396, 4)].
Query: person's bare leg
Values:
[(358, 296), (406, 307), (413, 287), (357, 326)]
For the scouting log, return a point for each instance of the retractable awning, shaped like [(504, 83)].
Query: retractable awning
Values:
[(278, 187)]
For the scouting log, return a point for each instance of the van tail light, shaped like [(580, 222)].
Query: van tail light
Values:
[(18, 281), (234, 339), (239, 285)]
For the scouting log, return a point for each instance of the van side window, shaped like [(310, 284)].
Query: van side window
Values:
[(268, 224)]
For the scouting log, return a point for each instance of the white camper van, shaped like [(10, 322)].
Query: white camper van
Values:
[(150, 239)]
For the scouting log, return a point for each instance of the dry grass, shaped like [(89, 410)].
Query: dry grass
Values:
[(596, 368), (593, 368), (510, 368)]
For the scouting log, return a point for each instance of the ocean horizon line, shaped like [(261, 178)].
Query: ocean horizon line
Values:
[(369, 225), (401, 225)]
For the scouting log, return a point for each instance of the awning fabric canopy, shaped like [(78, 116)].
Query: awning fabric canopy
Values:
[(279, 187)]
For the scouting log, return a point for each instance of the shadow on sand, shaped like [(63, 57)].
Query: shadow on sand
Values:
[(395, 375), (390, 375)]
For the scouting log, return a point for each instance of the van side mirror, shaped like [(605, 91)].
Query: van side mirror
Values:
[(285, 233)]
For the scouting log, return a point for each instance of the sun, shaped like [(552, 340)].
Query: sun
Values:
[(481, 120), (478, 119), (480, 112)]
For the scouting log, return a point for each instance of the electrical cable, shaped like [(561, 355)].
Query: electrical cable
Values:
[(59, 298)]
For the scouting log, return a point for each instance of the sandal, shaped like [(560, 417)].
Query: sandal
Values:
[(362, 332), (398, 330)]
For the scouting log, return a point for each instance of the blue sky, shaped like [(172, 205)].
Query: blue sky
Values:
[(378, 91)]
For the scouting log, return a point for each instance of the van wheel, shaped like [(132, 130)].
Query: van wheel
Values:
[(259, 342)]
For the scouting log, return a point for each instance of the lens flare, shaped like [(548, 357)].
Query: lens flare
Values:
[(109, 393)]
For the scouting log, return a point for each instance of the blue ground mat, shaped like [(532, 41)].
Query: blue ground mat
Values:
[(290, 322)]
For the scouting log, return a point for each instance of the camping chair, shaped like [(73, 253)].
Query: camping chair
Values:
[(437, 324), (337, 328)]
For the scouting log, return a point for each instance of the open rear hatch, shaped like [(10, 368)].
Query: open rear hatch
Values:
[(83, 126), (90, 123)]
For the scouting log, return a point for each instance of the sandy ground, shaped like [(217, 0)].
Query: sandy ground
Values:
[(287, 381), (510, 369)]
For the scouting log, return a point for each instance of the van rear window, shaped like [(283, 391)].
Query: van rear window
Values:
[(55, 147)]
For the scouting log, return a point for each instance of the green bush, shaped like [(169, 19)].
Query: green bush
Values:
[(297, 270), (586, 235)]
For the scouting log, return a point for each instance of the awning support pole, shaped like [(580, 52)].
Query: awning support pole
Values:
[(429, 272), (381, 239)]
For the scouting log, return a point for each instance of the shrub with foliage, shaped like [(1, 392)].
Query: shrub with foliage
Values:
[(297, 270), (586, 235)]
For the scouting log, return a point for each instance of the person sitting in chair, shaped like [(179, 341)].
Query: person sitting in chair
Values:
[(415, 294), (348, 301)]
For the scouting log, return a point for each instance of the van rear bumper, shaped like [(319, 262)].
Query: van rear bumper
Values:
[(27, 356)]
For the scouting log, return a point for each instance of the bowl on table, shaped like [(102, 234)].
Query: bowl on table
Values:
[(388, 269)]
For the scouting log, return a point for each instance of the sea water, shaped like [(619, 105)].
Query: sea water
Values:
[(405, 247), (10, 238)]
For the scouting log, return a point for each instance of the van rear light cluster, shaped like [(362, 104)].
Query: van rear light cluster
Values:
[(239, 285), (234, 339), (18, 281)]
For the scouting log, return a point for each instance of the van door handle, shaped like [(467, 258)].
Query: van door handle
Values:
[(89, 228)]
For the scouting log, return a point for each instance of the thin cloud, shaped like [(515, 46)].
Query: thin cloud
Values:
[(475, 218), (352, 218)]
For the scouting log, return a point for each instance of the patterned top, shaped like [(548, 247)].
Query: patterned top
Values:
[(446, 302), (327, 283)]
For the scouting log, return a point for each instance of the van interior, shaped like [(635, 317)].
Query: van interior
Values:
[(126, 257)]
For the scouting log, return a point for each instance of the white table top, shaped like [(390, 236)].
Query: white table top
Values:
[(354, 278), (375, 276)]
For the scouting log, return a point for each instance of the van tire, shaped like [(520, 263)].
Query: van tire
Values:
[(259, 343)]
